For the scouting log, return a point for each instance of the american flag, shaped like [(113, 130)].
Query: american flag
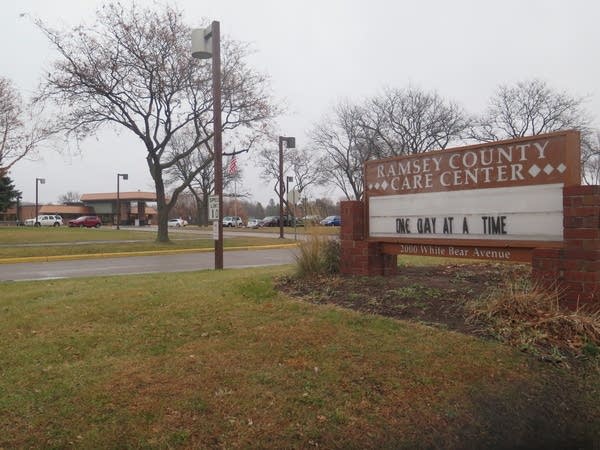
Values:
[(232, 168)]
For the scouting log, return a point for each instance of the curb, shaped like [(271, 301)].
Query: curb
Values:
[(31, 259)]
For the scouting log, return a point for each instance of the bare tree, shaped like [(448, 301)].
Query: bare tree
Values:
[(532, 107), (133, 69), (528, 108), (201, 186), (305, 165), (398, 122), (301, 163), (70, 197), (408, 121), (203, 182), (186, 207), (267, 158), (591, 166), (200, 162), (22, 128), (345, 146)]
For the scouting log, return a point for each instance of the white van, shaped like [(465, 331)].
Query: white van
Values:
[(46, 220), (233, 221)]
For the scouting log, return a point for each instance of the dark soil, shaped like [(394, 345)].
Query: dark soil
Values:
[(435, 295)]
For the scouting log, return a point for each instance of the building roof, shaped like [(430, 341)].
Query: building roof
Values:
[(65, 209), (125, 196)]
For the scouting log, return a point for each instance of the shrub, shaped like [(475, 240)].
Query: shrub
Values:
[(318, 255), (530, 316), (331, 256)]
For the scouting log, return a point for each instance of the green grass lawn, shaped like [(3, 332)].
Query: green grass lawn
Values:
[(220, 359), (83, 241), (31, 235)]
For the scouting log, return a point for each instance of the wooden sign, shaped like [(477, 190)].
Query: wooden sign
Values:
[(503, 194)]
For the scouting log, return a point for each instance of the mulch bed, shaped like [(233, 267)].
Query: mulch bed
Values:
[(435, 295)]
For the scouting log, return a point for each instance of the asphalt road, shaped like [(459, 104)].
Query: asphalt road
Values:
[(142, 264)]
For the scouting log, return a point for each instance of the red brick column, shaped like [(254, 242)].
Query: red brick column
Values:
[(574, 269), (358, 256)]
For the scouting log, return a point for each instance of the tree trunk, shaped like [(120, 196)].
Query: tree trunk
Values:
[(204, 210), (163, 219), (199, 218), (163, 211), (198, 206)]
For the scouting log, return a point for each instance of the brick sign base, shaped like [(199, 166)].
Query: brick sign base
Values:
[(358, 255), (574, 268)]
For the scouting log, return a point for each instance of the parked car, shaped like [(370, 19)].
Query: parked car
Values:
[(291, 221), (46, 220), (332, 221), (311, 220), (233, 221), (86, 221), (288, 221), (270, 221), (176, 223), (253, 223)]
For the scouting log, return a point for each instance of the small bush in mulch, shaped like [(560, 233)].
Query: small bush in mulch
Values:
[(318, 255), (530, 317)]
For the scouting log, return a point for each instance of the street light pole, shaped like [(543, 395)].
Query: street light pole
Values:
[(207, 43), (125, 177), (290, 143), (218, 142), (287, 190), (40, 181), (287, 187)]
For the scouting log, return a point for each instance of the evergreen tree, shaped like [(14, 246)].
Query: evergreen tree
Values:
[(272, 208), (8, 193), (260, 211)]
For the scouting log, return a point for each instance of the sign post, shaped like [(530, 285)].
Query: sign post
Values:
[(213, 207)]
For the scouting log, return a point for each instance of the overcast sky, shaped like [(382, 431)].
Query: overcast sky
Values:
[(320, 51)]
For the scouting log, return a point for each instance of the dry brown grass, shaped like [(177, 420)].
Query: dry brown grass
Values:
[(317, 255), (531, 317)]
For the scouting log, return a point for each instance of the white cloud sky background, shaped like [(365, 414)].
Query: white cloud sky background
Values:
[(319, 51)]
